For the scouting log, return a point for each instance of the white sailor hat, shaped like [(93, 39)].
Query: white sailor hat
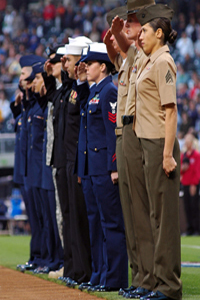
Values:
[(81, 39), (75, 48)]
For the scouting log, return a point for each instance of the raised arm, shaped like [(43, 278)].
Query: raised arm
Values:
[(117, 30), (112, 53)]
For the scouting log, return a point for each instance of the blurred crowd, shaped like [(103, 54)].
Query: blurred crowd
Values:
[(29, 27)]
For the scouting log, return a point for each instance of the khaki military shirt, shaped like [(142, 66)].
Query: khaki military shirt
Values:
[(155, 87), (130, 104), (124, 68)]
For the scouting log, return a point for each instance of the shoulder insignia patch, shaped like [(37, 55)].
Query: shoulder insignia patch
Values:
[(113, 107), (168, 78)]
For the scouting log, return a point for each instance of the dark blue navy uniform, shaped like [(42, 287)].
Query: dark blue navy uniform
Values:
[(33, 172), (100, 160), (101, 144), (95, 229), (42, 187)]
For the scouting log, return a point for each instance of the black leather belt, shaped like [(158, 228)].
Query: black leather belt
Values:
[(127, 120)]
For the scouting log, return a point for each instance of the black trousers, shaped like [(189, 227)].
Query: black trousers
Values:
[(77, 258)]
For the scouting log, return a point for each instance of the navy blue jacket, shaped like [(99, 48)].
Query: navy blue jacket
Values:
[(35, 131), (17, 177), (81, 163), (101, 123), (26, 105)]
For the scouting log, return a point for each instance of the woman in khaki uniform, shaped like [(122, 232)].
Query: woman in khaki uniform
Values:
[(155, 127)]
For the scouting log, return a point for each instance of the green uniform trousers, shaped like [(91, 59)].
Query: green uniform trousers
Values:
[(140, 205), (126, 204), (163, 195)]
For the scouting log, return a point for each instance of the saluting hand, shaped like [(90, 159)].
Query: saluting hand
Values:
[(117, 25), (81, 72), (43, 90), (18, 98), (107, 37), (169, 164), (63, 61), (48, 68)]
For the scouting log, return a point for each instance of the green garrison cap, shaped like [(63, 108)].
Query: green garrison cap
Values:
[(149, 13), (118, 11), (135, 5)]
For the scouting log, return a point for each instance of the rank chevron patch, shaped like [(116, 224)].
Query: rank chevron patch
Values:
[(112, 117)]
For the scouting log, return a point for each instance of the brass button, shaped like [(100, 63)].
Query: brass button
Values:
[(95, 149), (85, 126), (84, 152), (90, 111), (82, 114)]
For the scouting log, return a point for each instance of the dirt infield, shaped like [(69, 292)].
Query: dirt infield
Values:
[(19, 286)]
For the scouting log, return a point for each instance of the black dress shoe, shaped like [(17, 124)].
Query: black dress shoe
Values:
[(103, 288), (126, 290), (26, 267), (85, 285), (136, 294), (62, 278), (71, 283), (155, 295), (93, 288)]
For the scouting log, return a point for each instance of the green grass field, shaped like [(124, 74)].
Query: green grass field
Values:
[(14, 250)]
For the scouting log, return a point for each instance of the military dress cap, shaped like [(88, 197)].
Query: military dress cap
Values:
[(134, 6), (59, 53), (29, 60), (120, 11), (97, 52), (37, 68), (51, 50), (149, 13)]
